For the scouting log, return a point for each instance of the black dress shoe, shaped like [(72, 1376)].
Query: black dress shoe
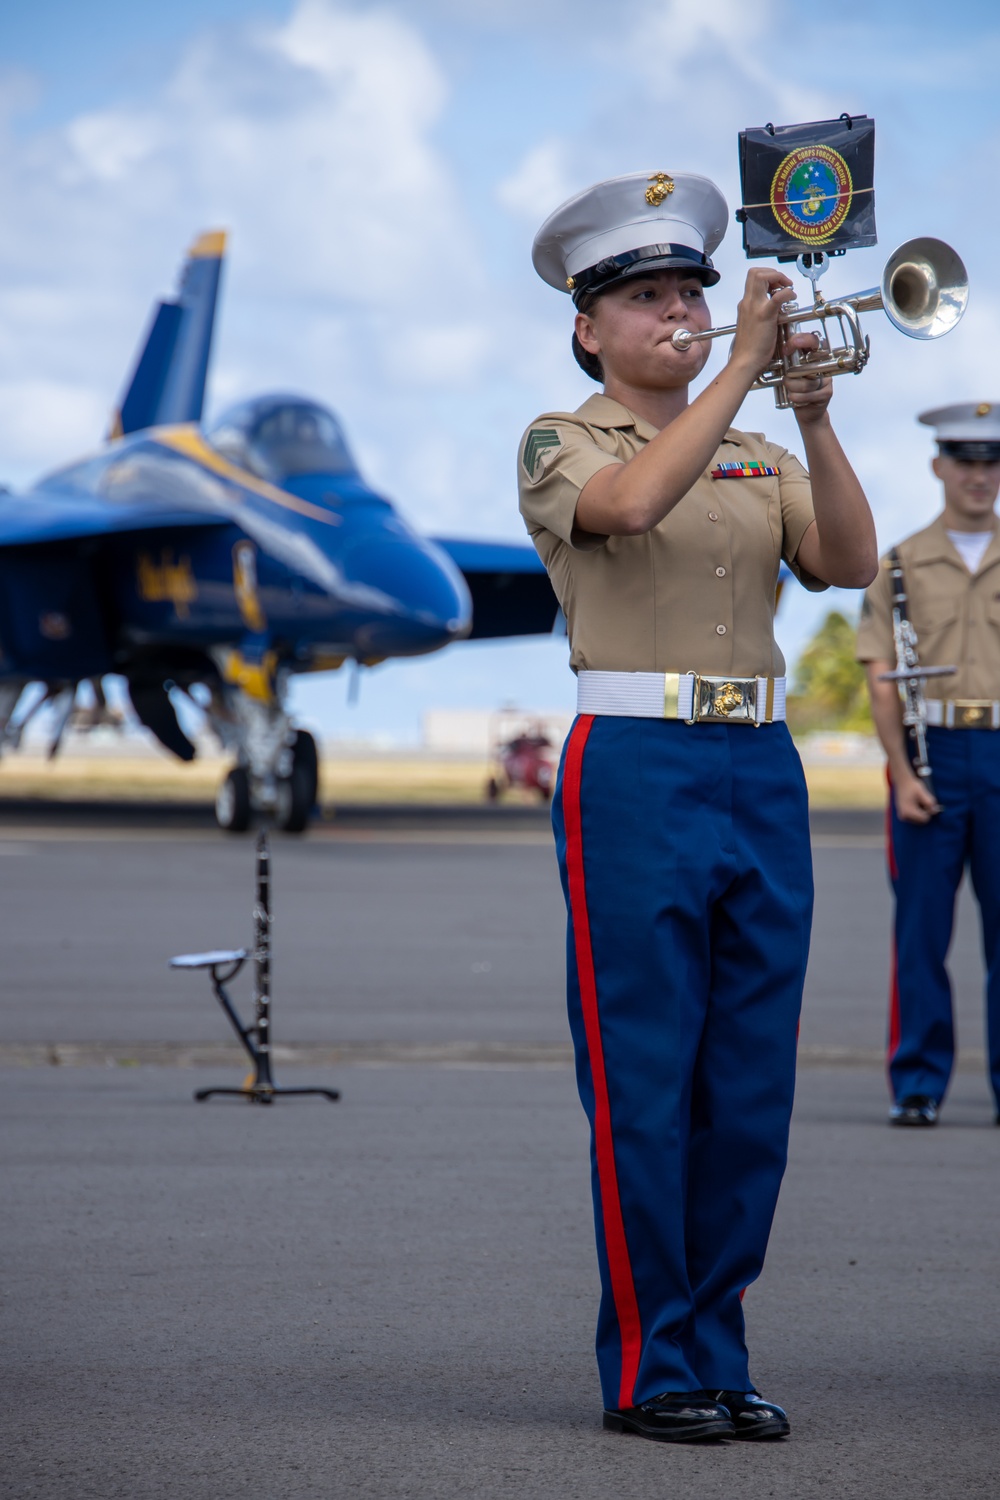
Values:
[(915, 1109), (752, 1416), (674, 1417)]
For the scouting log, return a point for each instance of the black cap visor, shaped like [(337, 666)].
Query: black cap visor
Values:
[(616, 268), (973, 451)]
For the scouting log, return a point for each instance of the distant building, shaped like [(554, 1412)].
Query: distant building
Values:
[(477, 731)]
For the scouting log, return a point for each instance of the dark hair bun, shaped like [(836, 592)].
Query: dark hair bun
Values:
[(589, 363)]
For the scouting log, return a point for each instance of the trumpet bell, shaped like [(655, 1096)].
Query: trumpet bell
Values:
[(924, 288)]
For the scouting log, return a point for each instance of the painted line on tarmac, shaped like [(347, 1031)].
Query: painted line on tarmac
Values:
[(18, 837), (315, 1054), (14, 839), (373, 1054)]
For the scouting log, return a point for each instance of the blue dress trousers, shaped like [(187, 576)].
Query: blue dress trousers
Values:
[(926, 864), (685, 861)]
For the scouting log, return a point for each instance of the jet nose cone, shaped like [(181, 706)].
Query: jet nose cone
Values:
[(425, 600)]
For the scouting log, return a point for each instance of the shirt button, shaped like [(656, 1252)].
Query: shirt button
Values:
[(720, 629), (712, 516), (720, 572)]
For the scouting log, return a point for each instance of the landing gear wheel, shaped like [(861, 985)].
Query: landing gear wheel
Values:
[(306, 756), (295, 800), (232, 802), (297, 792)]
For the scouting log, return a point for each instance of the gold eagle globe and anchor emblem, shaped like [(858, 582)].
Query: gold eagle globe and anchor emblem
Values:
[(727, 698), (661, 186)]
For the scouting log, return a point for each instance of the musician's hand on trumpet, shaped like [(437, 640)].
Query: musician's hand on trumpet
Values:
[(761, 337), (756, 332), (808, 393)]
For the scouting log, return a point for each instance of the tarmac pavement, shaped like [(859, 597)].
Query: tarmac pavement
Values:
[(429, 933), (395, 1295)]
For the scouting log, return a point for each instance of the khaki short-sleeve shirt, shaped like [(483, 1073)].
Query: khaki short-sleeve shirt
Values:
[(955, 613), (695, 594)]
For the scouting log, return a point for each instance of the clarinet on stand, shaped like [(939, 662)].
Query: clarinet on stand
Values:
[(909, 674), (259, 1086), (262, 959)]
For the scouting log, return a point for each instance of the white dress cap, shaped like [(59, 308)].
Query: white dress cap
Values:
[(642, 222), (968, 422)]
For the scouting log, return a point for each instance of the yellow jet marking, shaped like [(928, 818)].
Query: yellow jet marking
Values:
[(209, 245), (167, 580), (188, 440), (245, 584), (256, 680)]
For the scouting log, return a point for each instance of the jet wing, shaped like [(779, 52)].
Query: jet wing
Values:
[(46, 515), (511, 592)]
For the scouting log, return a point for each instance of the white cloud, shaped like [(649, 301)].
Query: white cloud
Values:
[(705, 59), (351, 259), (540, 182), (110, 147), (32, 408), (440, 354)]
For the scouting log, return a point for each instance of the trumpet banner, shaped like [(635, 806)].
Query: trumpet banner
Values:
[(808, 187)]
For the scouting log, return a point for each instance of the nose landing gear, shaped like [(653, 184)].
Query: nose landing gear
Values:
[(289, 792), (233, 808), (296, 791), (277, 769)]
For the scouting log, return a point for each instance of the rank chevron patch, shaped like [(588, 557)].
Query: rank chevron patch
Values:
[(539, 441)]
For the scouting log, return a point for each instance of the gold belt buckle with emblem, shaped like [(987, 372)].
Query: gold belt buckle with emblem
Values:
[(726, 699), (972, 713)]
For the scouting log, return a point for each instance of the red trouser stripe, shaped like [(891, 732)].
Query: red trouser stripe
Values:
[(622, 1285), (890, 854), (893, 1006)]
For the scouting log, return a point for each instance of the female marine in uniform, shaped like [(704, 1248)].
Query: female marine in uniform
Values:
[(680, 814)]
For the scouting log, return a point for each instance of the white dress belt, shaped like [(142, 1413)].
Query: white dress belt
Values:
[(691, 696), (963, 713)]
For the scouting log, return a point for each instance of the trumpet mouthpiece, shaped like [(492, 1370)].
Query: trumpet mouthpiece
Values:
[(682, 338)]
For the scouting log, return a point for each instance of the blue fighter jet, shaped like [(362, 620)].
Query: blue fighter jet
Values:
[(217, 562)]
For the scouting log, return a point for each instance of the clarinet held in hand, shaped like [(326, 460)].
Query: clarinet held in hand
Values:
[(909, 674)]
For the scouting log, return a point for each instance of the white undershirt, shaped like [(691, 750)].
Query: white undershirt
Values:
[(970, 546)]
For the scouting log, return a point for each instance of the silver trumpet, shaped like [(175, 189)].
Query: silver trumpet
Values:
[(923, 292)]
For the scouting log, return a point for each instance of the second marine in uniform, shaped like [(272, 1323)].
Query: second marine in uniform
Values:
[(951, 577)]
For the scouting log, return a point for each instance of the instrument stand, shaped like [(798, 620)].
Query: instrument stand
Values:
[(259, 1086), (814, 264)]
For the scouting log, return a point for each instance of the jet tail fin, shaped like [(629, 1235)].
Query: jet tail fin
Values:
[(168, 381)]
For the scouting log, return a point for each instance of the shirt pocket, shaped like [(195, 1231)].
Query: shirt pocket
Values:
[(938, 630)]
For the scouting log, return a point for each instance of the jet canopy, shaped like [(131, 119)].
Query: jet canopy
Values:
[(278, 437)]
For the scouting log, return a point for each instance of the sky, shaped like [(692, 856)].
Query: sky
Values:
[(382, 168)]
